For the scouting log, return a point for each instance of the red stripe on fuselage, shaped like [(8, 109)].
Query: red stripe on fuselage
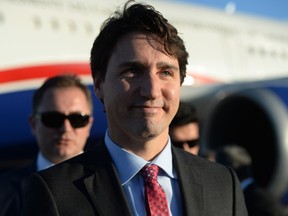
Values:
[(43, 71)]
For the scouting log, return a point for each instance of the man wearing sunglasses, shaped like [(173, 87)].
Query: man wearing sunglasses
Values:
[(61, 117), (61, 120), (184, 128)]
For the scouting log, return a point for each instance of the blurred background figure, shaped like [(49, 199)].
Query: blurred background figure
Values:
[(61, 120), (184, 128), (208, 154), (258, 200)]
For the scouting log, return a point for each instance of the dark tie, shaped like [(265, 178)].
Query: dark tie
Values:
[(156, 202)]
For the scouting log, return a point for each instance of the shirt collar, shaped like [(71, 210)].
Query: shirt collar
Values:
[(246, 182), (129, 164), (42, 162)]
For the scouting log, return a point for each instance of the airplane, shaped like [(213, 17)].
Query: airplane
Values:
[(237, 75)]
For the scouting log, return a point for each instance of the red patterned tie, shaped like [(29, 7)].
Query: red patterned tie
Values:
[(156, 201)]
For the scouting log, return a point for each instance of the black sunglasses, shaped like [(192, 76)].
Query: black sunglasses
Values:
[(191, 143), (55, 119)]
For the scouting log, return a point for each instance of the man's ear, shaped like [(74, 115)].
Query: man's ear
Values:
[(98, 88), (32, 123)]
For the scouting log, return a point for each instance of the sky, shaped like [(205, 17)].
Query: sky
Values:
[(273, 9)]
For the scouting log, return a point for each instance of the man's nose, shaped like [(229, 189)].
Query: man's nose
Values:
[(66, 126), (150, 86)]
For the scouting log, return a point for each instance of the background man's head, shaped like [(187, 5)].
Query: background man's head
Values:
[(184, 128), (61, 117)]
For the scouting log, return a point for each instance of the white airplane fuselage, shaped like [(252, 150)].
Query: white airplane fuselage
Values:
[(41, 38)]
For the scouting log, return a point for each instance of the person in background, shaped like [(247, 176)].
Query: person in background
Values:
[(138, 64), (60, 121), (208, 154), (259, 201), (184, 128)]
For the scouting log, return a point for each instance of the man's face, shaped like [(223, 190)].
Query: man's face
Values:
[(184, 134), (141, 90), (58, 144)]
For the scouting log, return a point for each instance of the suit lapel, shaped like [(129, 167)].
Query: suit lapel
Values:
[(103, 185), (189, 182)]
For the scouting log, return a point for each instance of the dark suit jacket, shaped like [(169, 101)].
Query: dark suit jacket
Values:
[(89, 185), (13, 186)]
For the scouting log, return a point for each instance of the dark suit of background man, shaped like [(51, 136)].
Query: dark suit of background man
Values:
[(138, 64), (57, 138), (259, 201)]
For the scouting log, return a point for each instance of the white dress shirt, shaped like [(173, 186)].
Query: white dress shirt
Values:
[(42, 162), (128, 166)]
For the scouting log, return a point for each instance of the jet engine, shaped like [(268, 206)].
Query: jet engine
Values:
[(254, 117)]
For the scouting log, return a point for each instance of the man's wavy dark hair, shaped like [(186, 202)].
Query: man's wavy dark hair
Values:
[(135, 17)]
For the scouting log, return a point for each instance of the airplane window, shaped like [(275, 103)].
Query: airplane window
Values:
[(54, 24), (273, 54), (88, 28), (72, 26), (1, 18), (262, 52), (284, 55), (251, 50), (196, 25), (37, 22)]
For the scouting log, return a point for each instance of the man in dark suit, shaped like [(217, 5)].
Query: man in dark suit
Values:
[(58, 137), (259, 201), (138, 64)]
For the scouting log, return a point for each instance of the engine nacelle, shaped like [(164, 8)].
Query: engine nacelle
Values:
[(256, 119)]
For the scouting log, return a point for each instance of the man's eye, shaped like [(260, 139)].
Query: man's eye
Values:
[(167, 73), (129, 73)]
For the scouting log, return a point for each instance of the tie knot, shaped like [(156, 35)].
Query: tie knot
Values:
[(150, 172)]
